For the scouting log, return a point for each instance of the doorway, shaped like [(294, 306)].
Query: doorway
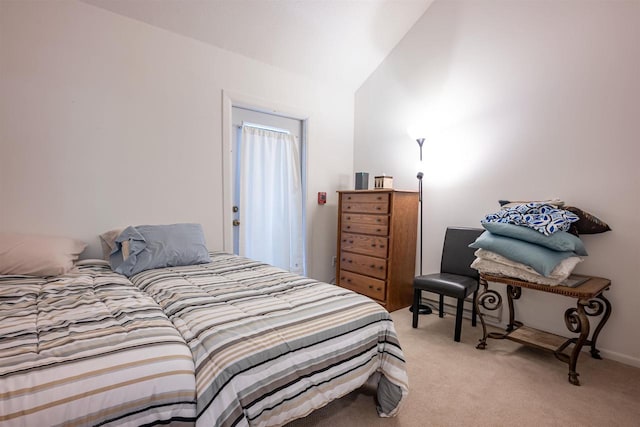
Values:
[(268, 188)]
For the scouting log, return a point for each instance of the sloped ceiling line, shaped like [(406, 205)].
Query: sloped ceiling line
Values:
[(337, 41)]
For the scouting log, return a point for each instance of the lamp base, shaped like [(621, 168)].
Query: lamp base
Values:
[(422, 309)]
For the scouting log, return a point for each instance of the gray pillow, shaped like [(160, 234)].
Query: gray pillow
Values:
[(539, 258), (558, 241), (157, 246)]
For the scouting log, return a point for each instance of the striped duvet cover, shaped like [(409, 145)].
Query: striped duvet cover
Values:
[(89, 348), (270, 346)]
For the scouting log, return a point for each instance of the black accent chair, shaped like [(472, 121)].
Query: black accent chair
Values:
[(456, 278)]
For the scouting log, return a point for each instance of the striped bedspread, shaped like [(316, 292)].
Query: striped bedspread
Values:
[(89, 348), (270, 346)]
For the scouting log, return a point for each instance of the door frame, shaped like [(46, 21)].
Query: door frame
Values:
[(230, 100)]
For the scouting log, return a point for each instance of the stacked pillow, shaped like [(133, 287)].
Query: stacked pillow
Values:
[(529, 241)]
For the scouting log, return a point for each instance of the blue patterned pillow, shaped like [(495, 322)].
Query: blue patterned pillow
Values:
[(539, 216)]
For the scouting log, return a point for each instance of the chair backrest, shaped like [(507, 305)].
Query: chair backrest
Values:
[(457, 256)]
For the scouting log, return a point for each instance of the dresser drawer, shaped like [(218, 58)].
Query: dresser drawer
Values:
[(365, 219), (362, 244), (364, 285), (366, 198), (367, 265), (354, 227), (379, 208)]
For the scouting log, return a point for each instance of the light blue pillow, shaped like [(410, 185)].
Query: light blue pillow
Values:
[(558, 241), (539, 258), (157, 246)]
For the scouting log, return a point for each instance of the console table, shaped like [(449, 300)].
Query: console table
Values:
[(590, 302)]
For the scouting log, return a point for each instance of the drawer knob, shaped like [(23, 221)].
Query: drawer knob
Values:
[(378, 207), (348, 227), (379, 289), (370, 286), (350, 261), (350, 241), (379, 230), (373, 266), (373, 245)]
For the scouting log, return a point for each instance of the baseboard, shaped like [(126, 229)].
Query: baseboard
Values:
[(621, 358)]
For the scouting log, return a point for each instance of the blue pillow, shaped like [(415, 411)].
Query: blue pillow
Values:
[(539, 258), (157, 246), (558, 241)]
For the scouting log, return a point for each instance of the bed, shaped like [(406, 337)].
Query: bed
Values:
[(270, 346), (89, 348), (173, 334)]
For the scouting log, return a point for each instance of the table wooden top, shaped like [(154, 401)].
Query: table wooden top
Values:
[(589, 289)]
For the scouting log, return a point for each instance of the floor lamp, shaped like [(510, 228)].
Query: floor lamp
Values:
[(422, 308)]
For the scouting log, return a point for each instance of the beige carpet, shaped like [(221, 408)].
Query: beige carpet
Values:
[(454, 384)]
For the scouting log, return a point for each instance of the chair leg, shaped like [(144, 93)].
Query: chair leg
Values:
[(417, 296), (459, 309), (474, 312), (441, 306)]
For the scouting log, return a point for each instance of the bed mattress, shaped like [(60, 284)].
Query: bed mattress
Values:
[(89, 348), (270, 346)]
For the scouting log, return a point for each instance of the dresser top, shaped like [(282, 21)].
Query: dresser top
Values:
[(377, 190)]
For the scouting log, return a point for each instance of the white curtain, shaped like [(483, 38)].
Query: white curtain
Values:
[(271, 198)]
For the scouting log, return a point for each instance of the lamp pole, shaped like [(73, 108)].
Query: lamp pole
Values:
[(420, 175), (422, 308)]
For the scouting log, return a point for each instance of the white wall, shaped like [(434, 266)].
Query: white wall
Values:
[(521, 100), (106, 121)]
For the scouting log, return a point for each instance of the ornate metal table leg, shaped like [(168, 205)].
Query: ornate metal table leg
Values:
[(577, 322), (490, 300), (595, 308), (513, 292)]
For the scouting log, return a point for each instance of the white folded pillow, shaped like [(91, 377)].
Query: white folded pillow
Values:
[(493, 263)]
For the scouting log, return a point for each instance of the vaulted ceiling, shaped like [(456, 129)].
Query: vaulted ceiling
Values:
[(338, 41)]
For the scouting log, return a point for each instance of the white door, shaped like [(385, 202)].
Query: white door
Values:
[(268, 193)]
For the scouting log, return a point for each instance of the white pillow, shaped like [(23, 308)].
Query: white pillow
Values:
[(108, 241), (34, 255), (493, 263)]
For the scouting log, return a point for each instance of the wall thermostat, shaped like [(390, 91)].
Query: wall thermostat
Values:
[(322, 198)]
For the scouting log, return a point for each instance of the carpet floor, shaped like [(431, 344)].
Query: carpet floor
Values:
[(454, 384)]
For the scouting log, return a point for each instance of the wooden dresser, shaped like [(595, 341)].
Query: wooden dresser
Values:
[(377, 244)]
